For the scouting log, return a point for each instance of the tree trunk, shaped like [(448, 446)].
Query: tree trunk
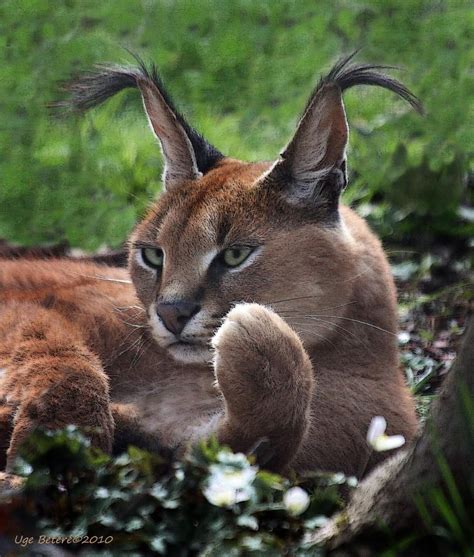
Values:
[(442, 458)]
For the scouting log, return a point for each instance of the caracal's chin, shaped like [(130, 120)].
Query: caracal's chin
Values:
[(190, 353)]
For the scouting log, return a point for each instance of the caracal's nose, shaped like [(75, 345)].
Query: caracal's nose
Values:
[(175, 315)]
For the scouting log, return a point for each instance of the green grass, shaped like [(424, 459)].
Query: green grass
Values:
[(242, 71)]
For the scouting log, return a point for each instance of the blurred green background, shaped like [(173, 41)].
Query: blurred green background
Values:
[(241, 70)]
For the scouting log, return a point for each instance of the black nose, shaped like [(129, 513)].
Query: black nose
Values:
[(175, 315)]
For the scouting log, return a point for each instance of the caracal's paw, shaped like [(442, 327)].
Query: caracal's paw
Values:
[(259, 357), (255, 331), (96, 422)]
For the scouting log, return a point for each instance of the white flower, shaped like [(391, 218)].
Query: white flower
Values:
[(377, 438), (220, 495), (296, 500), (228, 486), (237, 479), (403, 337)]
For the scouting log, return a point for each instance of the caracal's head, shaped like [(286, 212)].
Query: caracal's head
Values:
[(226, 231)]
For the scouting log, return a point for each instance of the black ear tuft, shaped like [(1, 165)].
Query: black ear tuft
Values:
[(347, 75), (95, 87)]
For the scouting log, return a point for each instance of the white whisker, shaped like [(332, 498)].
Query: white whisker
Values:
[(108, 279), (314, 333), (329, 325), (353, 320)]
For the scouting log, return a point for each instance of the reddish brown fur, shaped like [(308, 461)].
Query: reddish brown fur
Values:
[(75, 336)]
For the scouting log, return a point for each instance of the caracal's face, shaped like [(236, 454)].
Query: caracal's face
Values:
[(221, 240)]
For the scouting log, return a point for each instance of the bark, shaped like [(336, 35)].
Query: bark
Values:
[(441, 457)]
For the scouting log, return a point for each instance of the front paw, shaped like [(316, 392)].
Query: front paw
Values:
[(260, 363)]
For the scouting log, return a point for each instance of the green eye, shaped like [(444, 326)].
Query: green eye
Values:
[(153, 257), (235, 256)]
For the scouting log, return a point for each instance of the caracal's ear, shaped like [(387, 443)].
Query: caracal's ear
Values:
[(187, 154), (311, 170), (180, 159)]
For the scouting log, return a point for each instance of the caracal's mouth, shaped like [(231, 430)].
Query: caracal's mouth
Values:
[(186, 342), (193, 348), (190, 352)]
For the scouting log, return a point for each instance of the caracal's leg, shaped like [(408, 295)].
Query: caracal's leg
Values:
[(267, 381), (51, 379)]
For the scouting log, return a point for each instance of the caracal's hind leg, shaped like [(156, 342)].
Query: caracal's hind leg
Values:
[(51, 379)]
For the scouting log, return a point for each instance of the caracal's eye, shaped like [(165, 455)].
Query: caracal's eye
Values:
[(153, 257), (236, 255)]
